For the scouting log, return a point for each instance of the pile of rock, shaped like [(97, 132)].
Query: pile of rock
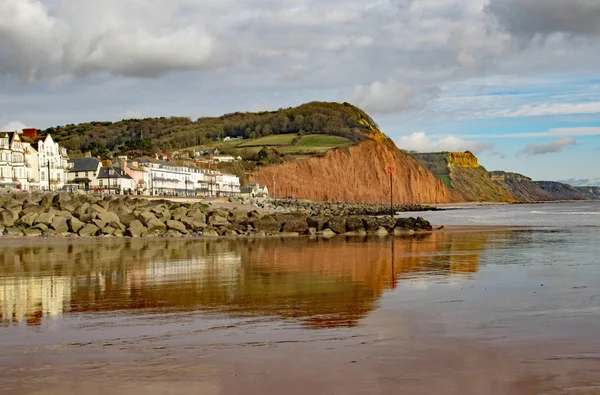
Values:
[(329, 208), (62, 214)]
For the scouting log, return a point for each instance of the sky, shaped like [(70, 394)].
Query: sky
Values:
[(516, 82)]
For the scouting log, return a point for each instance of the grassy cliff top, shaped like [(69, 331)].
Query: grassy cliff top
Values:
[(344, 123)]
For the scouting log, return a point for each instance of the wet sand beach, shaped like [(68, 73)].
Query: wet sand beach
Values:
[(476, 310)]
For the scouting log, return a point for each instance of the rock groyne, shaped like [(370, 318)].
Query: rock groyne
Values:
[(25, 214)]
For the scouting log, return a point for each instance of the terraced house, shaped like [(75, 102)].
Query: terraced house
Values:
[(13, 171)]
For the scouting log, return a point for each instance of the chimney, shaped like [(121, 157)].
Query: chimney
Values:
[(123, 163), (106, 163), (87, 154), (30, 132)]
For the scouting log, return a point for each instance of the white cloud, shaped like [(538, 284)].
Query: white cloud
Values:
[(582, 182), (125, 37), (132, 114), (554, 132), (421, 142), (386, 97), (537, 110), (552, 147), (14, 125)]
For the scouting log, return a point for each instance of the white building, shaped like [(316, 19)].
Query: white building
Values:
[(13, 170), (53, 164), (84, 172), (173, 179)]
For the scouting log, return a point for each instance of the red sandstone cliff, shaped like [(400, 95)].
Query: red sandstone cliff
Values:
[(358, 174)]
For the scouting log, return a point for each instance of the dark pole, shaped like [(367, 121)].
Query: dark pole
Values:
[(391, 194), (48, 175)]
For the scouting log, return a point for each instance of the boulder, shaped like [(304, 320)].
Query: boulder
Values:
[(59, 224), (27, 219), (48, 199), (423, 224), (96, 209), (179, 213), (370, 224), (32, 208), (267, 224), (218, 218), (172, 233), (354, 223), (405, 223), (193, 224), (381, 231), (75, 225), (317, 222), (127, 218), (111, 219), (295, 225), (13, 232), (88, 230), (326, 233), (156, 225), (108, 230), (41, 227), (45, 218), (32, 232), (210, 233), (145, 216), (176, 225), (99, 223), (82, 210), (61, 198), (386, 222), (135, 229), (337, 225), (8, 217)]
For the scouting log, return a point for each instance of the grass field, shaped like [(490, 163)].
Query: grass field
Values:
[(272, 140), (317, 143), (307, 145)]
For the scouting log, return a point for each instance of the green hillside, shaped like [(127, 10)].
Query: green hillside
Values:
[(344, 124)]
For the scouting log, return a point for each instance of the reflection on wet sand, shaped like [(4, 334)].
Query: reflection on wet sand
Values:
[(322, 282)]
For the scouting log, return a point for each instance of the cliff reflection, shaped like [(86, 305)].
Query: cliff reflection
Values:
[(319, 282)]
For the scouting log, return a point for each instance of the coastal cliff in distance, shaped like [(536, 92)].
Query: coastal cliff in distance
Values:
[(561, 191), (592, 193), (523, 188), (461, 172), (357, 174)]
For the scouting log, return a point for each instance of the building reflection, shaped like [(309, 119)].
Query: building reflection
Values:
[(322, 283)]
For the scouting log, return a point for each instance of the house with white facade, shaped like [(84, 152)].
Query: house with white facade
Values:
[(53, 164), (84, 172), (112, 179), (13, 170)]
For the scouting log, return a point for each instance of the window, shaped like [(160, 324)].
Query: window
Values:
[(101, 183)]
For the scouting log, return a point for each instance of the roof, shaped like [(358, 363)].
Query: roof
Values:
[(81, 180), (115, 172), (84, 164)]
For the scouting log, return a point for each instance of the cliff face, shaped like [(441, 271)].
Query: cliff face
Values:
[(356, 174), (560, 191), (463, 159), (521, 187), (592, 193), (460, 171)]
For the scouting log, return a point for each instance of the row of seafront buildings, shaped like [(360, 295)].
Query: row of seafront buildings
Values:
[(26, 165), (31, 163), (150, 177)]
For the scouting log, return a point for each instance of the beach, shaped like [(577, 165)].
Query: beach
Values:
[(468, 310)]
